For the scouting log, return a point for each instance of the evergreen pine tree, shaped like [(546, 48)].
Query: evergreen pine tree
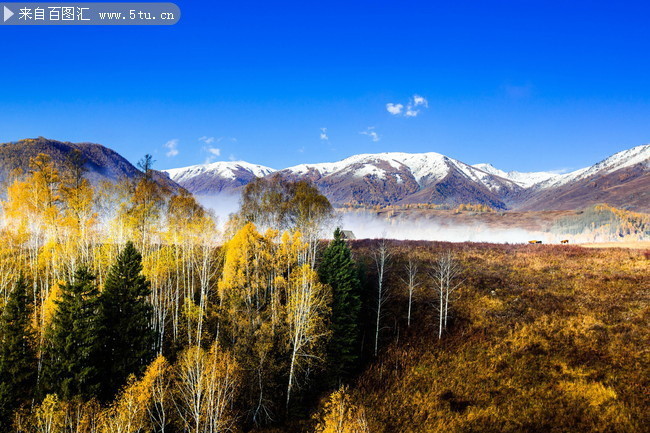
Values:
[(17, 355), (72, 351), (338, 269), (126, 317)]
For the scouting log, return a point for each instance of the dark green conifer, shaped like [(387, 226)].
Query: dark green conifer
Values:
[(71, 361), (126, 317), (17, 354), (338, 269)]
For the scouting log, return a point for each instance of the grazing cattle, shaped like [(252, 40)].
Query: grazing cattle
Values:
[(534, 242), (564, 241)]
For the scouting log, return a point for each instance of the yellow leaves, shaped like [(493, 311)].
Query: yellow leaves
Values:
[(188, 221), (157, 370), (207, 384), (130, 411), (246, 259), (49, 306), (49, 416), (342, 415), (191, 311)]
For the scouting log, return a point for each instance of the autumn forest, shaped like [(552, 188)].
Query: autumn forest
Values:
[(127, 307)]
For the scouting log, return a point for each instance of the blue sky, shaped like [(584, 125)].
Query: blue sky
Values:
[(526, 85)]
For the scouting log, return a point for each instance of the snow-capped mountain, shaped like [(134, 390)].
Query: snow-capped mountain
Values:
[(618, 161), (217, 177), (396, 177), (622, 179), (424, 168), (522, 179)]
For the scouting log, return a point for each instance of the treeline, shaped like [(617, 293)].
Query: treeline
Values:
[(477, 208), (605, 223)]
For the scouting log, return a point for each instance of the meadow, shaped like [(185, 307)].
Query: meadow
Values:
[(543, 339)]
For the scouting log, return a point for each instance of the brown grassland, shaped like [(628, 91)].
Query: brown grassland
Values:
[(637, 245), (544, 339)]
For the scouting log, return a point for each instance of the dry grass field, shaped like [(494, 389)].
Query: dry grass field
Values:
[(544, 339), (635, 245)]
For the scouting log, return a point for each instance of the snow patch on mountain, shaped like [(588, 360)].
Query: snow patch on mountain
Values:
[(224, 169), (624, 159), (523, 179), (424, 167)]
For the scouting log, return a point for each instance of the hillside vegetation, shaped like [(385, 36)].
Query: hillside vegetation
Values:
[(603, 223), (544, 339)]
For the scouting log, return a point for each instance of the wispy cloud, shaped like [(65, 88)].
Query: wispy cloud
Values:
[(207, 140), (172, 146), (412, 108), (323, 134), (213, 153), (370, 132)]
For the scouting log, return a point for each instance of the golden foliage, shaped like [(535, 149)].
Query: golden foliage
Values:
[(341, 415)]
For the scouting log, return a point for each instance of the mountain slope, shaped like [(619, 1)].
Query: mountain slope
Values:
[(622, 180), (217, 177), (392, 178), (102, 163), (522, 179)]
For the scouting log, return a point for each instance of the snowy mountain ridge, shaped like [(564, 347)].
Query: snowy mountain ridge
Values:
[(226, 169), (523, 179), (618, 161), (424, 167), (404, 178)]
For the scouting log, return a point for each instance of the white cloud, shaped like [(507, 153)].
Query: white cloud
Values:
[(214, 152), (370, 132), (206, 139), (412, 109), (420, 100), (394, 109), (172, 145), (323, 134), (411, 112)]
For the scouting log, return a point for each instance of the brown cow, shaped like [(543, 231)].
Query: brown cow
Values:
[(564, 241)]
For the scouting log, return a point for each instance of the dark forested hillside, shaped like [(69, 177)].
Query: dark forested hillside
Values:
[(100, 162)]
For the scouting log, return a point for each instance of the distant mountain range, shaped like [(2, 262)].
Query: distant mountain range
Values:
[(101, 163), (622, 180)]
